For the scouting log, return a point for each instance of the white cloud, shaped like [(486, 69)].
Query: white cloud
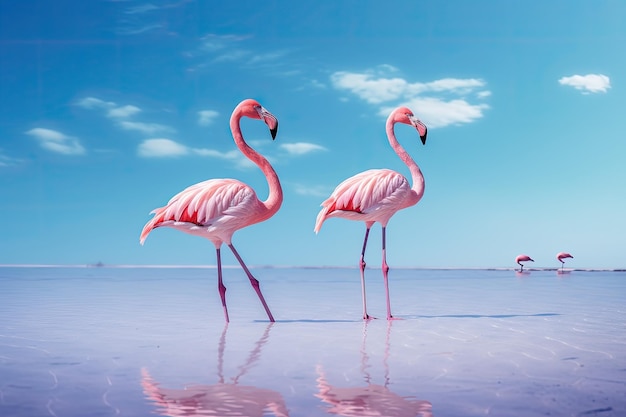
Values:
[(121, 114), (435, 112), (301, 148), (55, 141), (206, 117), (590, 83), (147, 128), (438, 103), (161, 148), (94, 103), (456, 85), (371, 90), (123, 111)]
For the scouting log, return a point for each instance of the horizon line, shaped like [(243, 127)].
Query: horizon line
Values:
[(158, 266)]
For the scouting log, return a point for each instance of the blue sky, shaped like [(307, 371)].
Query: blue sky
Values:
[(109, 108)]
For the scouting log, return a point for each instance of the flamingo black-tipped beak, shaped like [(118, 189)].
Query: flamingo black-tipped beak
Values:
[(423, 137), (270, 120), (421, 128)]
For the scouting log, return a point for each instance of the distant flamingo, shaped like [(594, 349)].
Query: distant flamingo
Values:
[(563, 255), (523, 258), (217, 208), (377, 194)]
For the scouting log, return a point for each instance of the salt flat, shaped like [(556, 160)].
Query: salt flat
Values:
[(152, 341)]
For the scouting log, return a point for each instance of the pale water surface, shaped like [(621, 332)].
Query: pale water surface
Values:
[(148, 341)]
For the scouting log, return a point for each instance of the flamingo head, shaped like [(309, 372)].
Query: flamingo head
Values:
[(406, 116), (253, 109)]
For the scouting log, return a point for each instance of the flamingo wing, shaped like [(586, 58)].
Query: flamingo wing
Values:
[(366, 193), (208, 204)]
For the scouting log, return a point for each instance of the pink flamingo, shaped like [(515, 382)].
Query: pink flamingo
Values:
[(216, 208), (522, 258), (563, 255), (377, 194)]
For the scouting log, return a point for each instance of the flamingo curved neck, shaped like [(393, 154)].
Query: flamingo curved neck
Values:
[(416, 174), (275, 197)]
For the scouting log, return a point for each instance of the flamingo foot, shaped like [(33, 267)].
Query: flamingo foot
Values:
[(367, 317)]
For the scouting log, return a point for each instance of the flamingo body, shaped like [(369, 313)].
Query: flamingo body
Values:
[(563, 255), (215, 209), (370, 196), (522, 258), (377, 194)]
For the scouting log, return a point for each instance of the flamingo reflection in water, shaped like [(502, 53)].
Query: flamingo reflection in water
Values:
[(221, 399), (373, 399)]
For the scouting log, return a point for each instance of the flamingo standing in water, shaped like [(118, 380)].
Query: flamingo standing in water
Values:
[(522, 258), (216, 208), (377, 194), (563, 255)]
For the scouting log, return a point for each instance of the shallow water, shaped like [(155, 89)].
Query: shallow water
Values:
[(149, 341)]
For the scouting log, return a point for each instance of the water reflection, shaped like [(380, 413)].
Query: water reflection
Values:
[(372, 399), (221, 399)]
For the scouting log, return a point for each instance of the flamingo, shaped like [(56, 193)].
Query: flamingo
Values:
[(563, 255), (376, 195), (522, 258), (217, 208)]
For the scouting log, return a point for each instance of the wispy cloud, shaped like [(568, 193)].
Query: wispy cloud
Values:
[(56, 141), (206, 117), (123, 111), (94, 103), (239, 49), (167, 148), (7, 161), (121, 114), (161, 148), (145, 17), (146, 128), (229, 156), (111, 109), (312, 190), (438, 103), (590, 83), (301, 148)]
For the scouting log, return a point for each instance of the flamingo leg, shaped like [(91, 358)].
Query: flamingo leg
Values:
[(253, 281), (220, 284), (362, 265), (386, 275)]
